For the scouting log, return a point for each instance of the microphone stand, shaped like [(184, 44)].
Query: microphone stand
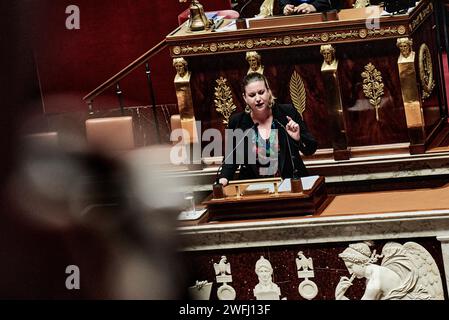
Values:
[(217, 186), (295, 181)]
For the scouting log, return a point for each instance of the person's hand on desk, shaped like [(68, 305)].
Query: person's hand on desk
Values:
[(304, 8), (223, 181)]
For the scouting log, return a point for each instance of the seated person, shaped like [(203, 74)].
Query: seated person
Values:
[(289, 7), (276, 135)]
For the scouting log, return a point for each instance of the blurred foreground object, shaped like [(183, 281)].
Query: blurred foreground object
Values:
[(113, 218)]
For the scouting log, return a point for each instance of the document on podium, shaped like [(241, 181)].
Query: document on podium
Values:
[(255, 188), (284, 186), (307, 183)]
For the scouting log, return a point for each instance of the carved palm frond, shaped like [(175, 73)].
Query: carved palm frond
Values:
[(298, 92)]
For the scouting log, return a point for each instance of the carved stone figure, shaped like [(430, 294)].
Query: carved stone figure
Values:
[(307, 288), (303, 263), (266, 9), (266, 289), (255, 62), (405, 47), (222, 268), (223, 273), (361, 3), (182, 73), (407, 272), (328, 52)]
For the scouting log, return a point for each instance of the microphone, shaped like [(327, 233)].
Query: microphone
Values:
[(244, 6), (254, 127), (295, 171)]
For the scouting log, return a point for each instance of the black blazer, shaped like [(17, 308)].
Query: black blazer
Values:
[(320, 5), (307, 144)]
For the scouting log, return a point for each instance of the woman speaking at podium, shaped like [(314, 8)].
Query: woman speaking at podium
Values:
[(274, 134), (288, 7)]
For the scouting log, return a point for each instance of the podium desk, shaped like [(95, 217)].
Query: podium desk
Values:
[(367, 98)]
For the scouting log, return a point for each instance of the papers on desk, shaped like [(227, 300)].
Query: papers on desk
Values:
[(191, 215), (285, 186), (307, 183), (232, 26), (260, 188)]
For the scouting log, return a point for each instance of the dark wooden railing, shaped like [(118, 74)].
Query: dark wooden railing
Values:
[(114, 81)]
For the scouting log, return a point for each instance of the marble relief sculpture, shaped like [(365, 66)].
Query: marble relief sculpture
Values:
[(307, 288), (406, 272), (266, 289), (201, 290), (223, 273)]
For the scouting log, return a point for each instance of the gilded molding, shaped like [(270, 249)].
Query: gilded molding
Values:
[(298, 92), (421, 17), (373, 86), (223, 99), (291, 40), (426, 71)]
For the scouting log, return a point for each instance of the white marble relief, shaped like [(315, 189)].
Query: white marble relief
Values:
[(406, 272), (445, 253), (201, 290), (266, 289), (223, 273), (307, 288)]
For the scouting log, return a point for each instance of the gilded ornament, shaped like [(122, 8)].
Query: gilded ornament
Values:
[(249, 43), (223, 99), (213, 47), (426, 71), (176, 49), (324, 36), (401, 29), (298, 92), (363, 33), (287, 40), (373, 86)]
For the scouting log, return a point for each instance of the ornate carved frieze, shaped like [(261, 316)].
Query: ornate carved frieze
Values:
[(223, 275), (421, 17), (307, 288), (293, 40), (373, 86)]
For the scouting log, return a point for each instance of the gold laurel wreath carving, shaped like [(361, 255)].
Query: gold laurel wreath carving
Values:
[(298, 92), (223, 99), (373, 86), (426, 71)]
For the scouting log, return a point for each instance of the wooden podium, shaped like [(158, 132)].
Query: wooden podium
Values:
[(250, 205)]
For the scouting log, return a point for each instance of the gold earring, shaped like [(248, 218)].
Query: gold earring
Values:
[(247, 109)]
